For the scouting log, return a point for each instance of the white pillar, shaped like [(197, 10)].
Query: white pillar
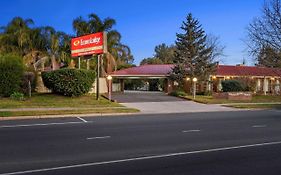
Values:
[(265, 85), (258, 86), (277, 87), (219, 85)]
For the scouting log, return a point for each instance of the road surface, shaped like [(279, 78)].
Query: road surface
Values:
[(217, 143)]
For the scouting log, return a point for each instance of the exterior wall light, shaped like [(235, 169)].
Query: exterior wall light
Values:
[(194, 79)]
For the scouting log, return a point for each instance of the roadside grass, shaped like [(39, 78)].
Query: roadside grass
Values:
[(257, 102), (48, 100), (65, 112), (51, 104), (255, 106), (255, 99)]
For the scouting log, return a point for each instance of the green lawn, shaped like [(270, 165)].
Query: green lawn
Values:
[(57, 101), (60, 105)]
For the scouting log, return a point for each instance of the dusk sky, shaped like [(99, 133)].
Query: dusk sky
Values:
[(147, 23)]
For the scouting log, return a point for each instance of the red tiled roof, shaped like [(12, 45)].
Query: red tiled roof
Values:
[(146, 70), (222, 70), (226, 70)]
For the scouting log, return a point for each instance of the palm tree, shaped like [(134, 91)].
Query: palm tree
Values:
[(15, 37)]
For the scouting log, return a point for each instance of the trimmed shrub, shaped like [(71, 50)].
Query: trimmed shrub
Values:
[(69, 82), (178, 93), (232, 86), (11, 72)]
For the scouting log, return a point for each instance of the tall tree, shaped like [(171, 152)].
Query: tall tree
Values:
[(15, 37), (151, 61), (163, 54), (194, 55), (269, 57), (264, 35)]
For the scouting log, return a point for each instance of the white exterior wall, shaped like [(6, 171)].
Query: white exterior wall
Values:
[(103, 86)]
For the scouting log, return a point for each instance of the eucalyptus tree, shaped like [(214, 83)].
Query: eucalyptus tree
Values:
[(264, 35)]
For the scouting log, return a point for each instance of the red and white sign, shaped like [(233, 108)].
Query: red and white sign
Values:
[(89, 44)]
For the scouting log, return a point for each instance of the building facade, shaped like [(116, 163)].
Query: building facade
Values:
[(261, 80)]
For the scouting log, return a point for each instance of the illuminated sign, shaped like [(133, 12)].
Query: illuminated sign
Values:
[(89, 44)]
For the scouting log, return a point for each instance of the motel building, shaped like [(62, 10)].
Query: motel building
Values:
[(262, 80)]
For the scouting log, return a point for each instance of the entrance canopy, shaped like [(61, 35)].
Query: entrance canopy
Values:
[(145, 71)]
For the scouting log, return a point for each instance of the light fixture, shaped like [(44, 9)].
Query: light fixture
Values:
[(194, 79), (109, 77)]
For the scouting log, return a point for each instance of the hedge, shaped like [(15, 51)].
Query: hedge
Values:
[(69, 82), (11, 73), (178, 93), (232, 86)]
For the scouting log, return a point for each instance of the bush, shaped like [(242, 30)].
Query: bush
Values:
[(17, 96), (232, 86), (69, 82), (11, 72), (178, 93)]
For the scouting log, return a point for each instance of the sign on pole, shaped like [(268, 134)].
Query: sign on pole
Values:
[(95, 43)]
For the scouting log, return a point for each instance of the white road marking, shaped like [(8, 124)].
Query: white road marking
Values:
[(103, 137), (143, 158), (39, 124), (80, 118), (194, 130), (259, 126)]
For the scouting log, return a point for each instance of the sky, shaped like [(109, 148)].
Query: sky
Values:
[(144, 24)]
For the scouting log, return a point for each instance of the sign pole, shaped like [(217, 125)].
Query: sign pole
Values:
[(98, 77), (79, 63)]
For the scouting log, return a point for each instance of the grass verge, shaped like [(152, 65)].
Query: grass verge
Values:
[(48, 100), (257, 102), (255, 99), (65, 112), (255, 106)]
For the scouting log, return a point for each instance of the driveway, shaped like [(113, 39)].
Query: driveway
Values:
[(144, 96), (158, 102)]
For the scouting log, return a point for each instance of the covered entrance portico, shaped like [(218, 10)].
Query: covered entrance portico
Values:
[(144, 72)]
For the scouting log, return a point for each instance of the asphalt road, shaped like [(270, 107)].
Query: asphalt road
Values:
[(245, 142)]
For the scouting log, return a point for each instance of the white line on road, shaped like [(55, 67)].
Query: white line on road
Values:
[(83, 120), (102, 137), (143, 158), (39, 124), (194, 130), (259, 126)]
